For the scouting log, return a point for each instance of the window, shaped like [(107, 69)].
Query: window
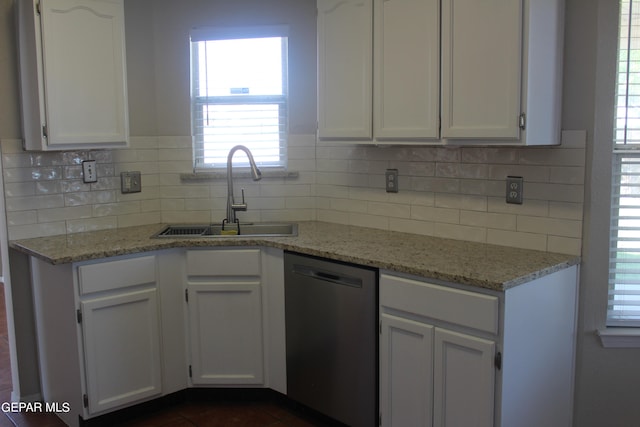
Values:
[(624, 261), (239, 95)]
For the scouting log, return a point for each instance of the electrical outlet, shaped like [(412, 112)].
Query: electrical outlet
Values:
[(391, 180), (514, 189), (89, 173), (130, 182)]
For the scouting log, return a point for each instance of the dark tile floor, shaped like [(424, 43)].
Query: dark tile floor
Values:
[(186, 412)]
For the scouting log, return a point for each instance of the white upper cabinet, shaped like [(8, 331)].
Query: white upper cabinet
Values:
[(502, 71), (444, 71), (344, 68), (406, 52), (73, 74), (481, 57)]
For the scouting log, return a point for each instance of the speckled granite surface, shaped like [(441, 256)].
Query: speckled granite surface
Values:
[(487, 266)]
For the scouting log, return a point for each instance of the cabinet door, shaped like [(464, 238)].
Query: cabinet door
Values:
[(121, 348), (406, 372), (344, 68), (225, 321), (463, 380), (84, 72), (481, 68), (407, 69)]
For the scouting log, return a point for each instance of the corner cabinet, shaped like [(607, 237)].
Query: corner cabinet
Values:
[(440, 71), (224, 305), (452, 355), (73, 74)]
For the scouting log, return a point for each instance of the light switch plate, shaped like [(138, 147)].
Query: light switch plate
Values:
[(89, 173), (131, 182)]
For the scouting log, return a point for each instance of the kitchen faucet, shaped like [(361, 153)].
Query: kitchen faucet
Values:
[(232, 206)]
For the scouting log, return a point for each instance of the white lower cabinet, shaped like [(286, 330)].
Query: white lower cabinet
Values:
[(406, 372), (430, 375), (225, 333), (120, 325), (235, 311), (456, 356), (463, 380), (128, 333), (122, 348), (99, 335)]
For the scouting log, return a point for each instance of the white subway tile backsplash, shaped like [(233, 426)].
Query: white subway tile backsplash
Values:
[(34, 202), (371, 221), (134, 219), (536, 241), (91, 224), (529, 173), (567, 175), (440, 215), (392, 210), (564, 245), (566, 210), (461, 232), (550, 226), (425, 228), (529, 207), (61, 214), (461, 201), (454, 192), (488, 220), (89, 197), (22, 218), (113, 209)]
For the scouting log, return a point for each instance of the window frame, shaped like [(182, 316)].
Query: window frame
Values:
[(282, 101), (625, 152)]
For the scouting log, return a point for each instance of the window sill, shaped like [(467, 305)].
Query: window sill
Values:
[(619, 337), (222, 174)]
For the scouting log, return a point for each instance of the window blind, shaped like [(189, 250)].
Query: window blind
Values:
[(624, 261), (239, 95)]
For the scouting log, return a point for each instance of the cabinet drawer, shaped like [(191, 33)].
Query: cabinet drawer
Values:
[(464, 308), (226, 262), (110, 275)]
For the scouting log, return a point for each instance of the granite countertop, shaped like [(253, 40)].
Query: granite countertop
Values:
[(477, 264)]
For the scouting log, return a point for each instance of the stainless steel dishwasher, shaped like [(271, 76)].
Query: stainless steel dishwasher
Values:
[(332, 338)]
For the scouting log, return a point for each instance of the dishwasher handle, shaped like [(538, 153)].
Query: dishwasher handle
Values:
[(327, 276)]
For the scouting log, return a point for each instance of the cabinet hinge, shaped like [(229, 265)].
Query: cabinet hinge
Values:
[(380, 418), (522, 121), (190, 372), (44, 131), (38, 8), (79, 315), (186, 295), (498, 361), (85, 400), (380, 327)]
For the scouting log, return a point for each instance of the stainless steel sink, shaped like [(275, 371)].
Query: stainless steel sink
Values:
[(263, 229)]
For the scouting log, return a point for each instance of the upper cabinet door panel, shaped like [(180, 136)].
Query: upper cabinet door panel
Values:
[(481, 68), (344, 68), (84, 72), (407, 67)]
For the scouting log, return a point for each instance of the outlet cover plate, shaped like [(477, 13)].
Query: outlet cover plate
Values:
[(514, 189), (391, 180)]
